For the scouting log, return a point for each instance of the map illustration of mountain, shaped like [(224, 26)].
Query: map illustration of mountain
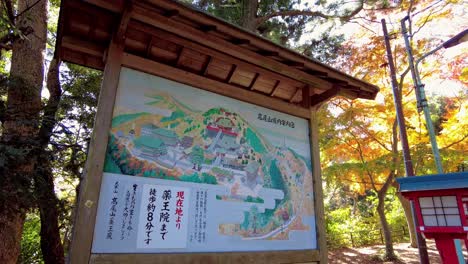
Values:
[(167, 138)]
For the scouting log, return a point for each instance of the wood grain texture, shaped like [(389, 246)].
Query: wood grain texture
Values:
[(286, 54), (219, 56), (92, 176), (318, 192), (143, 14), (178, 75), (268, 257)]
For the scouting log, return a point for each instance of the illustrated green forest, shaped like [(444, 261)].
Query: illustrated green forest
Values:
[(48, 110)]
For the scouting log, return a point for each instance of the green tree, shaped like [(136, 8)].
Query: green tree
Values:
[(197, 157), (20, 126), (31, 240), (286, 21)]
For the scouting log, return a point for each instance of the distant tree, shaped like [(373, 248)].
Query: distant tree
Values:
[(285, 21), (197, 157), (360, 138)]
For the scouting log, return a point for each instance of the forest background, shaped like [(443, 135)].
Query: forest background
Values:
[(47, 113)]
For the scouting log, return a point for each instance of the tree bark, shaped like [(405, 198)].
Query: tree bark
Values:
[(20, 127), (389, 252), (47, 201), (249, 15), (11, 227), (51, 243), (409, 219)]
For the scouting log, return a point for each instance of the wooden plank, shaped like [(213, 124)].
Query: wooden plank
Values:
[(92, 30), (242, 77), (306, 97), (325, 96), (149, 47), (254, 80), (160, 55), (135, 43), (210, 52), (207, 28), (285, 91), (171, 13), (125, 18), (263, 44), (268, 53), (90, 185), (115, 6), (317, 73), (218, 69), (192, 60), (296, 64), (82, 46), (207, 64), (273, 91), (77, 25), (145, 15), (240, 41), (81, 59), (294, 95), (198, 81), (265, 84), (165, 44), (227, 29), (317, 185), (264, 257), (179, 56), (231, 73)]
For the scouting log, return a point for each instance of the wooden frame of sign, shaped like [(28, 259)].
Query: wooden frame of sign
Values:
[(173, 41)]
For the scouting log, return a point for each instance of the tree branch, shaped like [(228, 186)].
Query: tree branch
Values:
[(28, 8), (456, 142), (295, 13), (49, 121), (7, 40)]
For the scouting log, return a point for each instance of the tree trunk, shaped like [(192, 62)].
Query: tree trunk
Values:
[(20, 127), (249, 15), (409, 219), (47, 202), (389, 252), (11, 227), (51, 243)]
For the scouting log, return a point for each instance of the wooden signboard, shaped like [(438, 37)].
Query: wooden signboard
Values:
[(188, 171), (205, 144)]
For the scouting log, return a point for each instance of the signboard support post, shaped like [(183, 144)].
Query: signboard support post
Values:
[(91, 183), (318, 193), (185, 165)]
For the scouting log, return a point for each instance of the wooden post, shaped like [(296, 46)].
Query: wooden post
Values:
[(317, 185), (92, 176), (381, 236), (352, 240)]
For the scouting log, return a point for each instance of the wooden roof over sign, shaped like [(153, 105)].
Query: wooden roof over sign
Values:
[(182, 37)]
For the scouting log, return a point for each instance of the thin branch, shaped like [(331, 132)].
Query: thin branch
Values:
[(295, 13), (28, 8), (363, 162), (363, 182), (428, 7), (359, 24), (456, 142), (423, 24)]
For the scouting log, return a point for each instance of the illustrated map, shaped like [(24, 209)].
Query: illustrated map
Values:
[(260, 158)]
